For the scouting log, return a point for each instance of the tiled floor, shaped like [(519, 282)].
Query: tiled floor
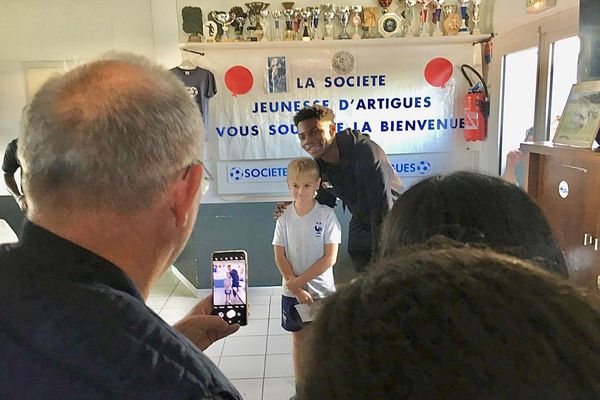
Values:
[(258, 357)]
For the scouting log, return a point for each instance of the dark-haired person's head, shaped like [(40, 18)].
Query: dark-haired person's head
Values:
[(454, 323), (476, 209), (316, 130)]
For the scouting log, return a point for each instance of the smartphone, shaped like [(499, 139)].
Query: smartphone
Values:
[(230, 285)]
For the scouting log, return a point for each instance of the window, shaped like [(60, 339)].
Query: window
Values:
[(563, 74), (518, 98)]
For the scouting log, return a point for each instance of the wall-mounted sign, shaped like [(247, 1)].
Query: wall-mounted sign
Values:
[(563, 189)]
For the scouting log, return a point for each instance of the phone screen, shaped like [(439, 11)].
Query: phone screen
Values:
[(230, 285)]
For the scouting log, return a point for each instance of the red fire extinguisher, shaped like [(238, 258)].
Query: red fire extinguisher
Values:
[(476, 107)]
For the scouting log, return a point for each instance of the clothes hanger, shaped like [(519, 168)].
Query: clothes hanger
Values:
[(187, 64)]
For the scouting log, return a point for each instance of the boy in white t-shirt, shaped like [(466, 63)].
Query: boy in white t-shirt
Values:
[(305, 243)]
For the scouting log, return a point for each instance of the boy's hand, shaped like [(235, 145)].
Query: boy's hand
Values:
[(293, 284), (303, 297), (280, 208)]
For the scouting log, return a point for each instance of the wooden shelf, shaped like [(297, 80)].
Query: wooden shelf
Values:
[(380, 42)]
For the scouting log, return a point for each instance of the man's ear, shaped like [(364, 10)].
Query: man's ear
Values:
[(184, 193)]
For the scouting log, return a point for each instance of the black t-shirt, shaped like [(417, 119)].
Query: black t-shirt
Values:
[(201, 86), (11, 163)]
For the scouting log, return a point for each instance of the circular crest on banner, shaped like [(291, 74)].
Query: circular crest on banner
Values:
[(342, 62)]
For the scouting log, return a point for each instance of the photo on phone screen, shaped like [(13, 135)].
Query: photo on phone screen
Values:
[(230, 285)]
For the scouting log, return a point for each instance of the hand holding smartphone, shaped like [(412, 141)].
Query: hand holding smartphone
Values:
[(230, 285)]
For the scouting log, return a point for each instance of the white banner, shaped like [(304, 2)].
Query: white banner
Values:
[(269, 177), (407, 100)]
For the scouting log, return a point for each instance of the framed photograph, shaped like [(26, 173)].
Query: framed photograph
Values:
[(276, 75), (580, 120)]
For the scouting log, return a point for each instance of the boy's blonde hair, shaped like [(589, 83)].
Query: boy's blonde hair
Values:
[(303, 167)]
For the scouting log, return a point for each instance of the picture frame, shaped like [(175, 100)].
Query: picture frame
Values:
[(580, 119)]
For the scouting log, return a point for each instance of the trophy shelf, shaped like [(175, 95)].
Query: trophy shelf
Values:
[(380, 42)]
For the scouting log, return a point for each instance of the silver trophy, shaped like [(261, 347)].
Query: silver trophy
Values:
[(264, 14), (328, 16), (343, 14), (476, 16), (255, 28), (288, 11), (225, 19), (357, 21), (424, 16), (437, 17), (314, 26), (409, 14), (276, 21), (464, 17), (240, 19), (306, 14)]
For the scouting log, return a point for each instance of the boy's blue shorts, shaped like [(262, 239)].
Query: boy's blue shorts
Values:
[(290, 319)]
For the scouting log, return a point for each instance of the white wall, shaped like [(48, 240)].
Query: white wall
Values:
[(36, 31), (509, 14)]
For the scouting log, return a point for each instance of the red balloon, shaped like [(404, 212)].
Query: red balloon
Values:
[(239, 80), (438, 71)]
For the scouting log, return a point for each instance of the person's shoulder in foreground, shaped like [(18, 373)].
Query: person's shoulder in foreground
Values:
[(111, 155), (454, 323)]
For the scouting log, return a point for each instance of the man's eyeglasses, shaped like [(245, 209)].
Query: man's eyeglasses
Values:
[(207, 177)]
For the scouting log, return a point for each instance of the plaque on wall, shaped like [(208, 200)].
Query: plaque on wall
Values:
[(580, 119)]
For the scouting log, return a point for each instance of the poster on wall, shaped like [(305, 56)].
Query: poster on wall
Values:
[(405, 97)]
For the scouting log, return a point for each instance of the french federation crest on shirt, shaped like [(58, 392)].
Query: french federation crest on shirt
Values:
[(318, 229)]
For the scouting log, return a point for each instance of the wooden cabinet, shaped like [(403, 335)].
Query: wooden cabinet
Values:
[(565, 183)]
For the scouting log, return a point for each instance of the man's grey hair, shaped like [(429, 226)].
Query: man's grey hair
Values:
[(112, 134)]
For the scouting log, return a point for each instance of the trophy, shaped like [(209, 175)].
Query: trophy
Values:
[(425, 4), (225, 19), (370, 20), (409, 13), (476, 18), (356, 21), (264, 14), (192, 22), (238, 24), (437, 17), (464, 16), (276, 20), (210, 31), (389, 24), (328, 16), (297, 22), (288, 11), (343, 14), (451, 20), (316, 11), (306, 15), (255, 28)]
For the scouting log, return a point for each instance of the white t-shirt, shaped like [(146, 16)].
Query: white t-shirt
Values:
[(304, 239)]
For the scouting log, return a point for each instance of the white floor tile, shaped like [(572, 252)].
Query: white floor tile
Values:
[(255, 327), (275, 311), (260, 311), (254, 300), (250, 389), (244, 367), (275, 300), (156, 303), (279, 344), (244, 346), (182, 290), (162, 290), (216, 348), (279, 366), (181, 302), (278, 388), (173, 315), (275, 327), (260, 291)]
